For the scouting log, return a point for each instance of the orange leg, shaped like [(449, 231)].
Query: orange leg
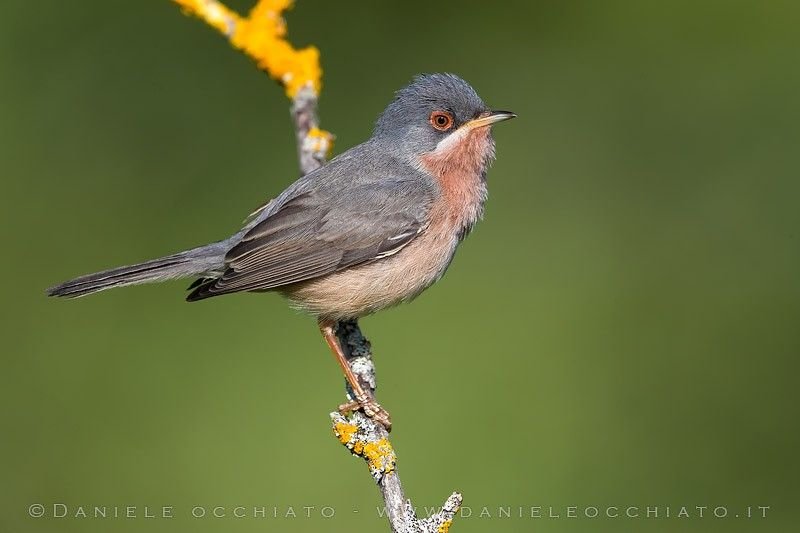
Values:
[(363, 400)]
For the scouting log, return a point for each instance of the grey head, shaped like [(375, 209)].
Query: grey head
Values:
[(430, 109)]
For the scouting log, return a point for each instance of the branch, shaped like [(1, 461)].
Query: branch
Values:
[(261, 36)]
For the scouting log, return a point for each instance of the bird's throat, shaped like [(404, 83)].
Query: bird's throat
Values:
[(459, 164)]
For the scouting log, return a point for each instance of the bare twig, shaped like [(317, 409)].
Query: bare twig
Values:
[(261, 36), (313, 144)]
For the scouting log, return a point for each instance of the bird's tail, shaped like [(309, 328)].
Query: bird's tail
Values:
[(194, 262)]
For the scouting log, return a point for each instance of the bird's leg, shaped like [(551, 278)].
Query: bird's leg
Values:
[(363, 400)]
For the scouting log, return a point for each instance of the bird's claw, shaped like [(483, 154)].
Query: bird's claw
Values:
[(371, 408)]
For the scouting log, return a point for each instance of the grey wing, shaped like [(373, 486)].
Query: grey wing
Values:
[(317, 233)]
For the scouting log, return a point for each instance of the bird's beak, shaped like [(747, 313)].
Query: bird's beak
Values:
[(488, 118)]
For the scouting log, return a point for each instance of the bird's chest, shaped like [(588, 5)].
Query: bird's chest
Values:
[(461, 205)]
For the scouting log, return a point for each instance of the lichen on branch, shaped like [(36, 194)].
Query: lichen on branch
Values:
[(262, 36), (362, 439)]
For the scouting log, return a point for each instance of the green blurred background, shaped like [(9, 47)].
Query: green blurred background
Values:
[(622, 329)]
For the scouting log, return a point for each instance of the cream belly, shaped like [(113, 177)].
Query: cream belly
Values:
[(383, 283)]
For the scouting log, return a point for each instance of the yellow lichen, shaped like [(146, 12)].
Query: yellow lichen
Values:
[(380, 455), (363, 441), (316, 132), (344, 432), (261, 35), (318, 141), (445, 527)]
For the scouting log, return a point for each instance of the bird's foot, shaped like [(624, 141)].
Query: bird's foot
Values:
[(371, 408)]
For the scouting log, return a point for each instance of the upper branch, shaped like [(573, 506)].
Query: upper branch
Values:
[(262, 36)]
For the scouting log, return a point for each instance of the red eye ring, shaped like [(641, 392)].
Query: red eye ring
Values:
[(441, 120)]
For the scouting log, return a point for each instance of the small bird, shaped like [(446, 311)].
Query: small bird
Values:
[(372, 228)]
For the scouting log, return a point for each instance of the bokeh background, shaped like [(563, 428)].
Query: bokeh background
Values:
[(622, 329)]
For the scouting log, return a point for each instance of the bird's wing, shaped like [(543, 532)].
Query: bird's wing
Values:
[(315, 233)]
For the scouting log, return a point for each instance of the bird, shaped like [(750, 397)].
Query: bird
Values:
[(372, 228)]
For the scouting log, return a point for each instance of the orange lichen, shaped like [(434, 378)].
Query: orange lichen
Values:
[(380, 455), (216, 14), (445, 527), (318, 141), (261, 35), (363, 442), (316, 133), (344, 432)]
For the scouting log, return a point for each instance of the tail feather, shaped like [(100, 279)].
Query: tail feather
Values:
[(195, 262)]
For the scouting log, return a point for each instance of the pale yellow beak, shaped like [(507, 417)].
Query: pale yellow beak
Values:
[(489, 118)]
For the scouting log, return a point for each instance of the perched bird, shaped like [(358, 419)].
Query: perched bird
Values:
[(374, 227)]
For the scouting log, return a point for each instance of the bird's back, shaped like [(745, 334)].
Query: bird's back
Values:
[(359, 208)]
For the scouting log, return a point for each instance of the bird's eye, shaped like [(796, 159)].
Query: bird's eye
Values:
[(441, 120)]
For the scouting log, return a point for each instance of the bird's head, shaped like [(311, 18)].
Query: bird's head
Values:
[(441, 124)]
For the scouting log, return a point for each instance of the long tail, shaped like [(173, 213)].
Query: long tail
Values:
[(194, 262)]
